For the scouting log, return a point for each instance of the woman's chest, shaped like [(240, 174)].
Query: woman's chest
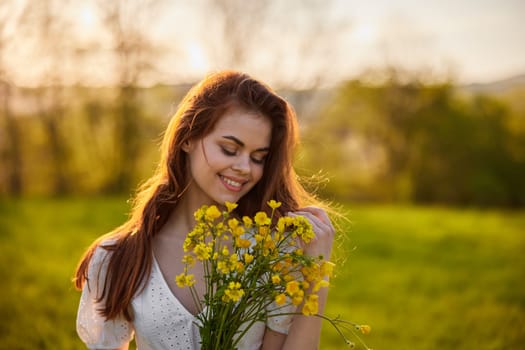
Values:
[(168, 264), (160, 320)]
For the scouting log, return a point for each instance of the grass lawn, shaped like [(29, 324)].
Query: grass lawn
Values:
[(423, 278)]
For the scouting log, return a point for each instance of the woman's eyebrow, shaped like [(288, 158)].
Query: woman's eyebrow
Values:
[(240, 143)]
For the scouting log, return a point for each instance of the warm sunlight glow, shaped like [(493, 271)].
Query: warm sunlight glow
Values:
[(197, 57), (87, 16), (364, 33), (182, 40)]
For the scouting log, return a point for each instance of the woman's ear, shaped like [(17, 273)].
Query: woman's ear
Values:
[(186, 146)]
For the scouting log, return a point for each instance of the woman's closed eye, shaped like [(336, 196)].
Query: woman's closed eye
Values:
[(259, 159), (228, 152)]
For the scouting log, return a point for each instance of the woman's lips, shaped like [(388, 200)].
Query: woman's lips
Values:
[(232, 184)]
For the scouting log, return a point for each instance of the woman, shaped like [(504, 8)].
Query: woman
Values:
[(231, 139)]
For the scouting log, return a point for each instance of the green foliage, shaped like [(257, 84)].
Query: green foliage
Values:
[(100, 142), (422, 277), (432, 278), (419, 142), (400, 140), (41, 243)]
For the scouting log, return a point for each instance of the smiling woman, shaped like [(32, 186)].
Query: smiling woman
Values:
[(232, 154), (231, 140)]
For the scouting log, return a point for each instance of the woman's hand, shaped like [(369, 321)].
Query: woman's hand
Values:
[(305, 331), (321, 244)]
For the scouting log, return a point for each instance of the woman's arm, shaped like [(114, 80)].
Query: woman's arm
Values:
[(305, 331)]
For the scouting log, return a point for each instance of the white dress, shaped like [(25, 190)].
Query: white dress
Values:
[(160, 320)]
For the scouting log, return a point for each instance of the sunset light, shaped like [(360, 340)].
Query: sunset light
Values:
[(330, 41)]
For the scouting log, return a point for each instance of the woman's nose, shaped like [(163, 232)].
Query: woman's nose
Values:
[(242, 165)]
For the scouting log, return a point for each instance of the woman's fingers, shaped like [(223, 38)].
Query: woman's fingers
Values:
[(318, 218), (323, 229), (319, 213)]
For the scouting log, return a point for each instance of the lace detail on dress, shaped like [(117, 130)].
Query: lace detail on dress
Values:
[(161, 320)]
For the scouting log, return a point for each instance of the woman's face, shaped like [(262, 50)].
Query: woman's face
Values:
[(228, 162)]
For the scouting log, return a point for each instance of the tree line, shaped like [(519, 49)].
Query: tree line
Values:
[(396, 140), (402, 138), (406, 140)]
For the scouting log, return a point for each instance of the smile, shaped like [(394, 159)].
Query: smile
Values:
[(231, 184)]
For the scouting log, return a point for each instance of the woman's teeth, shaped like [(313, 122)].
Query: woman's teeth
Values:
[(231, 182)]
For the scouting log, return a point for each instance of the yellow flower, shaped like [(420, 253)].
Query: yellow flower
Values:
[(233, 223), (327, 268), (274, 204), (288, 277), (264, 231), (212, 213), (248, 258), (233, 292), (262, 251), (239, 267), (184, 280), (262, 219), (220, 228), (198, 232), (280, 299), (305, 285), (223, 267), (320, 284), (188, 244), (364, 328), (269, 243), (247, 221), (242, 243), (188, 260), (303, 228), (238, 231), (276, 279), (292, 287), (311, 273), (284, 223), (234, 258), (202, 251), (199, 214), (311, 305), (298, 298), (230, 206)]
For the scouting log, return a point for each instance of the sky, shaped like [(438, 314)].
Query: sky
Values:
[(482, 40), (469, 41)]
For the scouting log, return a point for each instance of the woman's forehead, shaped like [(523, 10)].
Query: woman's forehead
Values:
[(245, 125)]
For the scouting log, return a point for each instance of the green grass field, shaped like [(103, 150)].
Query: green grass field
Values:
[(423, 278)]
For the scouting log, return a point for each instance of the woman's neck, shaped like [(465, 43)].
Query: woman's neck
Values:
[(182, 220)]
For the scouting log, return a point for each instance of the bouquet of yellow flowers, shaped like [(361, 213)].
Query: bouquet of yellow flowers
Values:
[(249, 264)]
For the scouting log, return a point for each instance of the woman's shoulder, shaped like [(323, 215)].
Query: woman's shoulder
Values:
[(99, 260), (103, 249)]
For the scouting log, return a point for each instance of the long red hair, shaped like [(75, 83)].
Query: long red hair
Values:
[(130, 245)]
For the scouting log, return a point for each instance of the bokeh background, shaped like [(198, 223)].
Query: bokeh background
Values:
[(412, 120)]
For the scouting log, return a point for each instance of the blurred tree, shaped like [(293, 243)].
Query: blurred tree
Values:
[(269, 37), (10, 148), (42, 21), (134, 52), (238, 19), (406, 140)]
